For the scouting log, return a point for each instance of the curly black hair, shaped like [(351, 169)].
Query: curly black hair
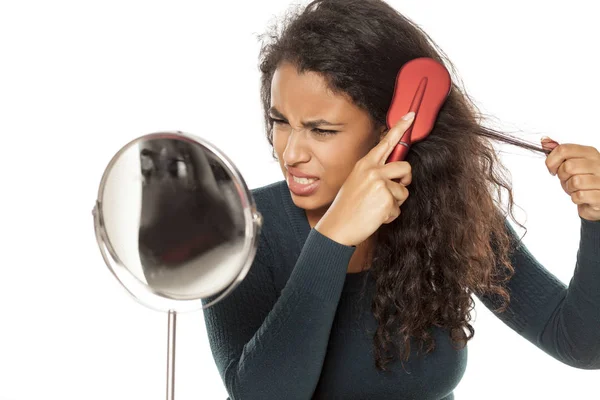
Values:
[(452, 239)]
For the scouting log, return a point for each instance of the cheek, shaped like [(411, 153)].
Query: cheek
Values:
[(279, 142), (337, 160), (345, 156)]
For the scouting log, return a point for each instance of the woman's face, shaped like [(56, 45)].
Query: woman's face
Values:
[(297, 99)]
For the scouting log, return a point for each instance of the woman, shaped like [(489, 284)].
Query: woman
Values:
[(361, 286)]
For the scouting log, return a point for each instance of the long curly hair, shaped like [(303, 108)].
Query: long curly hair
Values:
[(451, 239)]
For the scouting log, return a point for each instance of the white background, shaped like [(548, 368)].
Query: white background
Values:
[(80, 79)]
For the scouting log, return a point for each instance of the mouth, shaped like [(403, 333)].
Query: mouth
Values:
[(303, 181), (302, 186), (299, 174)]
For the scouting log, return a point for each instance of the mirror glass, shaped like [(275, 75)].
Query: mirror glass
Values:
[(175, 221)]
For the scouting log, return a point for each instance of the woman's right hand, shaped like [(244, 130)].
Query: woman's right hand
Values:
[(369, 197)]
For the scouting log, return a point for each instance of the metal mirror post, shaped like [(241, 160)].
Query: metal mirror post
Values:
[(176, 224)]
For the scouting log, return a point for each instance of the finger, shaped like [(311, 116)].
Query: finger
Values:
[(582, 182), (398, 190), (548, 144), (393, 215), (384, 148), (589, 197), (566, 151), (400, 194), (577, 166), (587, 212), (398, 169)]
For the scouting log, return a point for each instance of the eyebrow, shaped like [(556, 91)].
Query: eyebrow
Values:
[(306, 124)]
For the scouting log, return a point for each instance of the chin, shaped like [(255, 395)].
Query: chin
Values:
[(306, 202), (311, 203)]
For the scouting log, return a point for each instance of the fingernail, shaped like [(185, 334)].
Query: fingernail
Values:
[(545, 139), (409, 116)]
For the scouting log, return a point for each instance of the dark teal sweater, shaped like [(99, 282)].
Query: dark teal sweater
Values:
[(295, 328)]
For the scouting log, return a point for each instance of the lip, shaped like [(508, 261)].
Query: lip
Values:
[(299, 173), (300, 189)]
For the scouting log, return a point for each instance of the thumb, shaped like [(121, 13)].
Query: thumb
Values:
[(548, 144)]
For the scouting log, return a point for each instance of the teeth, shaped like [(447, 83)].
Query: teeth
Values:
[(304, 181)]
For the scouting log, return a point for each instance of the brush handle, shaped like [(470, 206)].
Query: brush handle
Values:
[(399, 152), (401, 149)]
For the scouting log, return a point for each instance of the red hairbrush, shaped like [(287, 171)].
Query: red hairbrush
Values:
[(422, 86)]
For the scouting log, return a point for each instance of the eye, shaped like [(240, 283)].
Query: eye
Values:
[(276, 121), (320, 132), (323, 132)]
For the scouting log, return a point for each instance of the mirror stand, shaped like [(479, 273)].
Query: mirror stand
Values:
[(171, 355)]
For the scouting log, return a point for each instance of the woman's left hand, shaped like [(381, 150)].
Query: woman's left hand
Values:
[(578, 168)]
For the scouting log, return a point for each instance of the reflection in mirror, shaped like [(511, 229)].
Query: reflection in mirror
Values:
[(175, 218), (189, 218)]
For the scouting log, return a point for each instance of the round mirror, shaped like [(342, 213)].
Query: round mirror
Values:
[(175, 221)]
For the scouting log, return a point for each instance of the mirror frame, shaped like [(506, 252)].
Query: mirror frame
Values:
[(139, 290)]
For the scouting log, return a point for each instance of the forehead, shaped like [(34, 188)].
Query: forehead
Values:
[(287, 77), (305, 93)]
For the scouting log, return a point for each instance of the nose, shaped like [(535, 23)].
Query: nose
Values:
[(295, 150)]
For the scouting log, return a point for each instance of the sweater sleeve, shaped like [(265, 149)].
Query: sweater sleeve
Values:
[(267, 346), (562, 321)]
